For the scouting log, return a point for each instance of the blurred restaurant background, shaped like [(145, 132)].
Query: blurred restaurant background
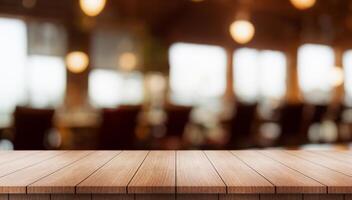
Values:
[(175, 74)]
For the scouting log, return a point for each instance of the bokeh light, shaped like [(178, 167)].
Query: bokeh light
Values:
[(242, 31), (77, 61)]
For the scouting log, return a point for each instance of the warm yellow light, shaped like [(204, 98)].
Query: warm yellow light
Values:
[(77, 61), (242, 31), (303, 4), (92, 7), (127, 61), (337, 76)]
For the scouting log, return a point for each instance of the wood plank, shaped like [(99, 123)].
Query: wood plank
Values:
[(115, 175), (66, 179), (239, 197), (338, 155), (8, 156), (323, 197), (238, 177), (348, 197), (325, 161), (155, 197), (4, 196), (197, 197), (112, 197), (29, 197), (286, 180), (27, 161), (336, 182), (18, 181), (156, 174), (70, 197), (195, 174), (281, 197)]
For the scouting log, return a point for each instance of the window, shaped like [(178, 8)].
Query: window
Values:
[(197, 73), (109, 88), (259, 74), (347, 65), (47, 80), (13, 52), (33, 79), (315, 63)]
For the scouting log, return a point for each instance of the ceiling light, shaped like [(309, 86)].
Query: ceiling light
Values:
[(92, 7), (242, 31), (303, 4), (77, 61)]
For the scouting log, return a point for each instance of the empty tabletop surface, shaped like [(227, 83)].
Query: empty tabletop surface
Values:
[(176, 172)]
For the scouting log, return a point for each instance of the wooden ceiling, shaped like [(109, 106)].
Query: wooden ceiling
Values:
[(276, 21)]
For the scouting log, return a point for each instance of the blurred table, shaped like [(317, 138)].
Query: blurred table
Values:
[(274, 174)]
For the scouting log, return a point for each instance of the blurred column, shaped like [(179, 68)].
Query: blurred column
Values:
[(77, 84), (292, 93), (229, 92), (339, 89)]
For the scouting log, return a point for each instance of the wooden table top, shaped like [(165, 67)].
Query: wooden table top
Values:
[(176, 172)]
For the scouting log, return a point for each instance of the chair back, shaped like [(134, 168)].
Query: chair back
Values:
[(177, 119), (117, 129), (31, 126), (241, 125), (292, 123), (319, 113)]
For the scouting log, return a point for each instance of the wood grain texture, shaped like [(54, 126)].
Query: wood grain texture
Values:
[(181, 175), (115, 175), (197, 196), (195, 174), (18, 181), (343, 156), (112, 197), (239, 197), (323, 197), (156, 174), (155, 197), (238, 177), (29, 197), (285, 179), (281, 197), (335, 181), (66, 179), (8, 156), (70, 197), (325, 161), (32, 159)]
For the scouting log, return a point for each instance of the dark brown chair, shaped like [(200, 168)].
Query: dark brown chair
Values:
[(242, 126), (31, 126), (177, 119), (292, 124), (336, 115), (117, 130), (319, 113)]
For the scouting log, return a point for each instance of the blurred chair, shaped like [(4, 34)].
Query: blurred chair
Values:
[(117, 129), (242, 126), (31, 127), (319, 113), (335, 114), (177, 118), (315, 116), (292, 124)]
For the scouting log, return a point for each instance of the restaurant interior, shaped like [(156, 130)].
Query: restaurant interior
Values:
[(175, 74)]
